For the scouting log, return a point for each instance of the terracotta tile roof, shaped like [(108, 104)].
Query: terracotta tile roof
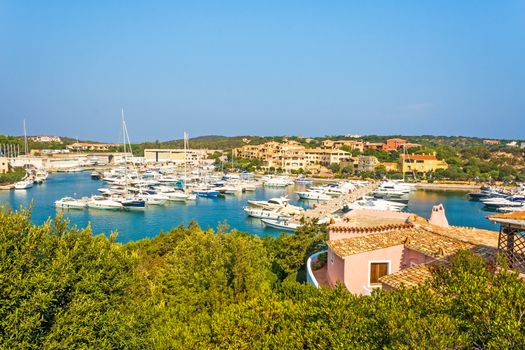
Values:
[(370, 229), (519, 215), (424, 241), (411, 277)]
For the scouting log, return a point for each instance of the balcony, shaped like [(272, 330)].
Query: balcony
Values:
[(316, 272)]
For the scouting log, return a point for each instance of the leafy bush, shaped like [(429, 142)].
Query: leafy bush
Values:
[(189, 288)]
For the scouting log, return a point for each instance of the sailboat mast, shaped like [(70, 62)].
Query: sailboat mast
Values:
[(403, 164), (124, 148), (25, 138), (185, 160)]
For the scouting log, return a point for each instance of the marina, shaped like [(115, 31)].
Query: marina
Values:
[(207, 212)]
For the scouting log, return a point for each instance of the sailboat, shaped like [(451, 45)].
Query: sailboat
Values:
[(27, 182), (191, 196), (128, 202)]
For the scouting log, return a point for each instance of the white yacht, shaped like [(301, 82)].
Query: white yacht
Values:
[(275, 213), (24, 184), (277, 202), (41, 176), (99, 202), (371, 204), (281, 224), (278, 182), (314, 195), (71, 203), (262, 213)]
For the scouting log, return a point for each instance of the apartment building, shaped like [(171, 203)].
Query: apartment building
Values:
[(421, 163), (291, 155)]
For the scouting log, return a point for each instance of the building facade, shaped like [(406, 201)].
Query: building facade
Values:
[(366, 164), (166, 155), (291, 155), (421, 164), (372, 249), (4, 165)]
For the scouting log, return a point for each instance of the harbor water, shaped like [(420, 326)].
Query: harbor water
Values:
[(207, 212)]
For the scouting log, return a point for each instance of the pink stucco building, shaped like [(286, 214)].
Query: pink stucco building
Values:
[(386, 250)]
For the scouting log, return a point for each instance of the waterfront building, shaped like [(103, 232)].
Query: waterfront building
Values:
[(84, 146), (421, 164), (4, 165), (391, 166), (381, 249), (168, 155), (398, 145), (366, 163), (46, 139), (352, 144), (292, 155), (61, 162)]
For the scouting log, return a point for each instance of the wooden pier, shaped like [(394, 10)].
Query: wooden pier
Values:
[(332, 206)]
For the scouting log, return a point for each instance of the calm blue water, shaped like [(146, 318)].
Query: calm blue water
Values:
[(207, 212)]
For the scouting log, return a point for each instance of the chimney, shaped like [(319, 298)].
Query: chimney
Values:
[(438, 217)]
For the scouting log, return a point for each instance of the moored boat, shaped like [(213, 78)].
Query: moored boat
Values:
[(71, 203), (281, 224), (99, 202), (24, 184)]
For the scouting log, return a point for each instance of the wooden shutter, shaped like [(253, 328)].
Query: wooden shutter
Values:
[(377, 270)]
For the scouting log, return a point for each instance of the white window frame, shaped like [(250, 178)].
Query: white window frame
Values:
[(389, 263)]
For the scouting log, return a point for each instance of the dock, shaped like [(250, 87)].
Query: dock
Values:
[(336, 204)]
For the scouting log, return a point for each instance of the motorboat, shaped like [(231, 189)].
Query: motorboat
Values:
[(278, 182), (303, 181), (511, 209), (24, 184), (71, 203), (277, 202), (96, 175), (176, 196), (486, 192), (510, 201), (99, 202), (371, 204), (154, 198), (276, 213), (262, 213), (393, 189), (281, 224), (207, 193), (40, 176), (314, 195), (129, 202)]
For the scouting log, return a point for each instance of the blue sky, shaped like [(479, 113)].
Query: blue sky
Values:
[(262, 68)]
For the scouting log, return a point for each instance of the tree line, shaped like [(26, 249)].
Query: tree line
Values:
[(189, 288)]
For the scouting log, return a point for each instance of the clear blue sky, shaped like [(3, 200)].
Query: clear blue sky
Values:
[(262, 68)]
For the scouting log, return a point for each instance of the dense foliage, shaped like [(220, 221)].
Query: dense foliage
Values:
[(12, 176), (62, 287)]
